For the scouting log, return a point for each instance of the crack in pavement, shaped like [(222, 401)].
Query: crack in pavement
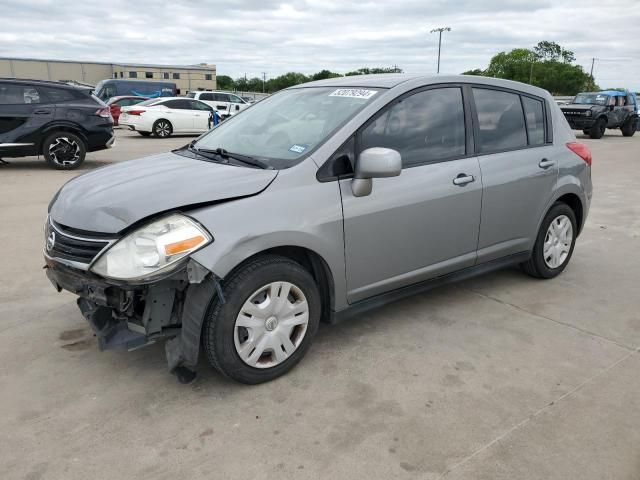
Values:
[(537, 413), (559, 322)]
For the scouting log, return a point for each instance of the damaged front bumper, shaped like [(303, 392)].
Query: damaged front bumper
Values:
[(129, 316)]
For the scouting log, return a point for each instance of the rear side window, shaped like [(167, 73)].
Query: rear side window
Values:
[(221, 97), (59, 95), (191, 95), (425, 127), (178, 104), (535, 120), (18, 94), (500, 120), (206, 96)]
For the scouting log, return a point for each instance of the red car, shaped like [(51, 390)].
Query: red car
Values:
[(115, 103)]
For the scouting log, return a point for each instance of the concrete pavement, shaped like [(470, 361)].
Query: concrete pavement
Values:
[(499, 377)]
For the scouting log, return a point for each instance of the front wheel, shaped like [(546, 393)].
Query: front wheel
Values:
[(598, 128), (267, 322), (64, 150), (554, 243)]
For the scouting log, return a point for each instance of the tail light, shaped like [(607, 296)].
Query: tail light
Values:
[(135, 112), (104, 112), (581, 150)]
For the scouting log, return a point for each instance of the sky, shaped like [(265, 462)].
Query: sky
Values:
[(276, 36)]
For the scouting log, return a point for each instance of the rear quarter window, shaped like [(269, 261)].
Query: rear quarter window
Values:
[(534, 114), (500, 120)]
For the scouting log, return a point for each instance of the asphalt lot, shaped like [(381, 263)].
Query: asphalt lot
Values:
[(500, 377)]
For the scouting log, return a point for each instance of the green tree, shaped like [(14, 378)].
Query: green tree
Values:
[(475, 71), (547, 65), (324, 74), (375, 70), (225, 82)]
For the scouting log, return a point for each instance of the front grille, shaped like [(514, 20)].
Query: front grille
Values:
[(60, 243), (575, 113)]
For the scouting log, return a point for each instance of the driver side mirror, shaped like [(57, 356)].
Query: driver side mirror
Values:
[(374, 163)]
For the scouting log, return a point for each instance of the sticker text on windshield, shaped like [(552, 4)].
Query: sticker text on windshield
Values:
[(354, 93)]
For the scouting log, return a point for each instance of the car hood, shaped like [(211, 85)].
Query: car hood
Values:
[(110, 199), (576, 107)]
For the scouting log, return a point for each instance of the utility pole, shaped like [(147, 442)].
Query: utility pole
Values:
[(593, 60), (264, 79), (440, 30)]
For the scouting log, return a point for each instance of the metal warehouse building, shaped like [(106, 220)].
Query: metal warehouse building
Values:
[(186, 77)]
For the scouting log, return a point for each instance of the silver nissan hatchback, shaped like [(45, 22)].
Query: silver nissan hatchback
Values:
[(318, 203)]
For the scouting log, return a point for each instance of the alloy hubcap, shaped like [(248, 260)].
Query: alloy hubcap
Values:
[(271, 324), (557, 242), (162, 129), (64, 151)]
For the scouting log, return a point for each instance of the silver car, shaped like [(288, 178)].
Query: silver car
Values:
[(318, 203)]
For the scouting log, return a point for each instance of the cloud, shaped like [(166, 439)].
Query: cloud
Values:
[(276, 36)]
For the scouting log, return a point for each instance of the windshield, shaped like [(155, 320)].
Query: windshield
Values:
[(288, 125), (590, 99)]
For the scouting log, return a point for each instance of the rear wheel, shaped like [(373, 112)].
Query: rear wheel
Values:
[(598, 128), (267, 322), (162, 128), (64, 150), (629, 127), (554, 243)]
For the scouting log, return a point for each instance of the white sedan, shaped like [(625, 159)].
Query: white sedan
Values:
[(165, 116)]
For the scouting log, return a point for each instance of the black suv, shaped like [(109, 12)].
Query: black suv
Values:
[(593, 112), (60, 121)]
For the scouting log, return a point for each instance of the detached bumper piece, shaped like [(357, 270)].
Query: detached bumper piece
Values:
[(127, 317)]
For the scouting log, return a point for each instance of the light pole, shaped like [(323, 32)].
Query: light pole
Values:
[(440, 30)]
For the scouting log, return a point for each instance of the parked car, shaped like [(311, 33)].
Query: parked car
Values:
[(594, 112), (227, 104), (53, 119), (109, 88), (320, 202), (116, 103), (166, 116)]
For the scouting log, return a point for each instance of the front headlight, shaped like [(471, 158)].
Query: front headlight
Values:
[(152, 249), (588, 113)]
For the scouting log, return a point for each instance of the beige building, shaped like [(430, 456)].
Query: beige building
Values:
[(186, 77)]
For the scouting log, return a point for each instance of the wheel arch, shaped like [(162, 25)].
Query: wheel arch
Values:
[(575, 203), (62, 127), (311, 261)]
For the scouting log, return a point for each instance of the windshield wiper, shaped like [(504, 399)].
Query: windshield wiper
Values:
[(254, 162)]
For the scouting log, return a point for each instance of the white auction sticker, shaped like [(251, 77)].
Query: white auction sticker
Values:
[(354, 93)]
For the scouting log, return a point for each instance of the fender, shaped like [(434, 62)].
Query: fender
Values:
[(565, 186), (64, 125)]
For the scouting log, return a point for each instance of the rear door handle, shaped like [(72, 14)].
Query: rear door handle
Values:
[(42, 112), (463, 179), (544, 163)]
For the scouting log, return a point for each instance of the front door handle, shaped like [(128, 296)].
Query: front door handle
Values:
[(42, 112), (463, 179), (544, 163)]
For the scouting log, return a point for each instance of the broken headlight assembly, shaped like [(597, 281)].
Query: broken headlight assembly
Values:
[(153, 249)]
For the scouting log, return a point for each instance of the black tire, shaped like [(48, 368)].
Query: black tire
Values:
[(162, 128), (598, 128), (145, 134), (585, 131), (219, 326), (64, 150), (629, 127), (537, 266)]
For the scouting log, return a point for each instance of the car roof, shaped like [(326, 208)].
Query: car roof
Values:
[(51, 83), (613, 93), (391, 80)]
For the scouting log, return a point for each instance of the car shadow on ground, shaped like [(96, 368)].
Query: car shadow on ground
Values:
[(35, 163), (150, 360)]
